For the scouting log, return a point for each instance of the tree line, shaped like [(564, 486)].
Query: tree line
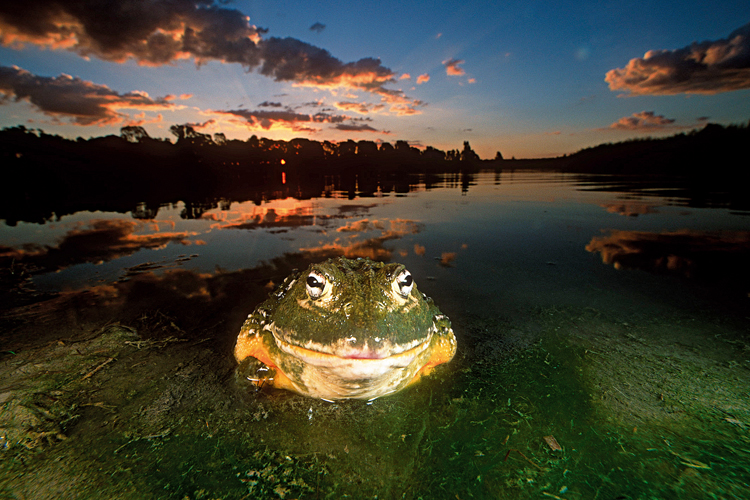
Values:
[(256, 149), (47, 174)]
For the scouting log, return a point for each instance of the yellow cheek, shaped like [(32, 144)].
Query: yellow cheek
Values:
[(250, 344)]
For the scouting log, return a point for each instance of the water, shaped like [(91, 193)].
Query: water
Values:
[(606, 315)]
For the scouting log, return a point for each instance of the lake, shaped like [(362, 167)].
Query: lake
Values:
[(602, 326)]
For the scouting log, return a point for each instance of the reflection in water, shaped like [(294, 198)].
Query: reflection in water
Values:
[(713, 255), (270, 218), (100, 241), (447, 258), (280, 218), (372, 247), (630, 208), (701, 191)]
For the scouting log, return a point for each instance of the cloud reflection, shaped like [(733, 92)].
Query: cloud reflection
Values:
[(630, 208), (705, 255), (372, 247), (100, 241), (272, 218)]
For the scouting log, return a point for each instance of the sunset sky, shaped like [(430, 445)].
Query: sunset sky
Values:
[(529, 79)]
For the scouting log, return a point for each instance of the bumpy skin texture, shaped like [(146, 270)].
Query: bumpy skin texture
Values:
[(345, 328)]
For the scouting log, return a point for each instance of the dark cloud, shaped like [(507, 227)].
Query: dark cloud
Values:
[(80, 101), (708, 67), (317, 27), (267, 104), (151, 31), (267, 119), (356, 128), (312, 104), (645, 120), (156, 32)]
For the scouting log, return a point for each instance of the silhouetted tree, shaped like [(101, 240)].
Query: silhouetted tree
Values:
[(405, 151), (347, 149), (134, 133), (468, 154), (431, 153), (186, 134), (329, 148), (386, 149), (367, 149), (305, 149)]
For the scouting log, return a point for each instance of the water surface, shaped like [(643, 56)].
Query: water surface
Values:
[(605, 315)]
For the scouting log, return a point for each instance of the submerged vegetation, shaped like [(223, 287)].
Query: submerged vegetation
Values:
[(568, 404)]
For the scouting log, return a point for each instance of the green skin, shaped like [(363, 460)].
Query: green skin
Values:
[(363, 335)]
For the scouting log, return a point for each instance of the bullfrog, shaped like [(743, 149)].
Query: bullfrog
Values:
[(345, 329)]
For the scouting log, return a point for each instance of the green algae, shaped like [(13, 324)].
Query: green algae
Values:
[(643, 408)]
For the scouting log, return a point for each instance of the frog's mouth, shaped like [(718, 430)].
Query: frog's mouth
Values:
[(359, 361)]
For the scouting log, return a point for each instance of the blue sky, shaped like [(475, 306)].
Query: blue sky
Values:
[(523, 78)]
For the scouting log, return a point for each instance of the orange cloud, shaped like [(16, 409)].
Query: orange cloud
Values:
[(285, 119), (141, 119), (83, 102), (423, 79), (702, 68), (452, 67), (362, 108)]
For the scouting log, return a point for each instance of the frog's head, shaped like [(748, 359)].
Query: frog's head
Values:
[(356, 309)]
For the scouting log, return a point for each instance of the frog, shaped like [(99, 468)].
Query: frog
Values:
[(345, 329)]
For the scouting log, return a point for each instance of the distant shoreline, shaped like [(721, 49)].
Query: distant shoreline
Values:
[(47, 176), (683, 153)]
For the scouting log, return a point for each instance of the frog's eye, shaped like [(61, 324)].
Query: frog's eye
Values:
[(315, 284), (404, 283)]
